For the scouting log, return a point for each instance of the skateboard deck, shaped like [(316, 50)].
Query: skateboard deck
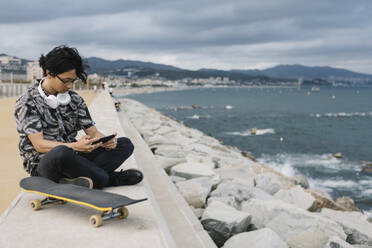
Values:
[(111, 204)]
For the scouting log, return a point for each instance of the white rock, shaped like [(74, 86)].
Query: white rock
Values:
[(222, 221), (355, 225), (198, 212), (347, 203), (210, 141), (258, 193), (239, 191), (301, 180), (262, 238), (167, 163), (297, 227), (165, 130), (242, 172), (202, 149), (336, 242), (180, 139), (271, 183), (158, 140), (192, 170), (195, 158), (228, 200), (176, 179), (195, 191), (170, 151), (297, 196)]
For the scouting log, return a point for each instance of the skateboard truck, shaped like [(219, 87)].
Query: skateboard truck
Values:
[(96, 220), (36, 204)]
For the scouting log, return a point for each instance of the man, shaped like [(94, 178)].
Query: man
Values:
[(48, 117)]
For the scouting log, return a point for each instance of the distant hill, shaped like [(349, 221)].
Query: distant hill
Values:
[(99, 65), (316, 74), (275, 74), (306, 72)]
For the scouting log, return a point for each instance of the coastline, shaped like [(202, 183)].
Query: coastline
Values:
[(170, 142), (120, 92)]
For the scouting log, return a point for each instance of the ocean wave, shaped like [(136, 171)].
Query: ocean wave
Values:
[(342, 114), (324, 163), (333, 184), (323, 160), (197, 117), (367, 192), (337, 187), (280, 162), (249, 132), (368, 214), (323, 172), (189, 107)]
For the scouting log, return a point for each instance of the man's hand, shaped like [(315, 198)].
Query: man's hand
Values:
[(111, 144), (84, 144)]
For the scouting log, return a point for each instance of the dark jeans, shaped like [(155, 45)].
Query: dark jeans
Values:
[(98, 165)]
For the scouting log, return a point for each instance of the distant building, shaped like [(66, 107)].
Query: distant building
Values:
[(131, 71), (34, 71), (94, 77), (12, 69), (9, 60)]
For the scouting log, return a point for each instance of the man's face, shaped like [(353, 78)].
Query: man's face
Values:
[(63, 82)]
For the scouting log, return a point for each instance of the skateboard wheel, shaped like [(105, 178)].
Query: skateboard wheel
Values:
[(123, 212), (95, 220), (35, 205)]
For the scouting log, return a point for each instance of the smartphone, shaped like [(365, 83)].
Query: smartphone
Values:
[(104, 139)]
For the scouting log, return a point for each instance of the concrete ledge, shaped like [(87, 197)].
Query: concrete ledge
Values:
[(177, 217)]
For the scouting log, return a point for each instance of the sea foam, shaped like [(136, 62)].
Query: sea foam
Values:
[(197, 117), (342, 114), (249, 132)]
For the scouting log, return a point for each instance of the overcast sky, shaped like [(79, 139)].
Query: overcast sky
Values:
[(194, 34)]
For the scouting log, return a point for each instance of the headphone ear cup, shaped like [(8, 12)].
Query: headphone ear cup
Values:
[(52, 101), (63, 98)]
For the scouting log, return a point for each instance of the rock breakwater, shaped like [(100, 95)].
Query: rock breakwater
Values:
[(237, 199)]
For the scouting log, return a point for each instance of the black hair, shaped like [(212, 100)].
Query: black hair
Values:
[(62, 59)]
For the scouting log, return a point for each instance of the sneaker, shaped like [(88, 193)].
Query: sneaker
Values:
[(126, 177), (80, 181)]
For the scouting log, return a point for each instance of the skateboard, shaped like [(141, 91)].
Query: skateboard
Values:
[(111, 205)]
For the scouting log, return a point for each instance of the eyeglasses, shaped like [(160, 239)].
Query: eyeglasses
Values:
[(68, 81)]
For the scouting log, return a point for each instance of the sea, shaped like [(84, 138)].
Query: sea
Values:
[(297, 130)]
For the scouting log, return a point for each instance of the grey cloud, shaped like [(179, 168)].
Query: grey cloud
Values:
[(229, 34), (41, 10)]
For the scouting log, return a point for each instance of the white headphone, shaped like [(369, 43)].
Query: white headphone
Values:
[(54, 101)]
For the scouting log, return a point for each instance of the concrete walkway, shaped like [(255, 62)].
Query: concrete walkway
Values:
[(150, 223)]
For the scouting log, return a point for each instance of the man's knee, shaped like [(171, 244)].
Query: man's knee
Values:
[(125, 145), (48, 164), (60, 152)]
